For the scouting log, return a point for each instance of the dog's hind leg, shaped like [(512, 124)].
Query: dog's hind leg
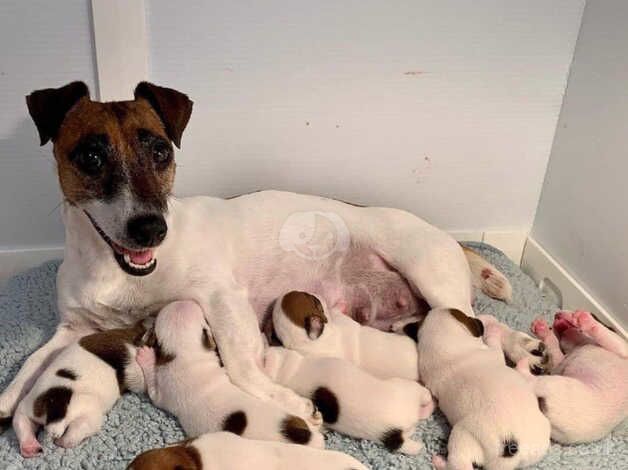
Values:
[(486, 277)]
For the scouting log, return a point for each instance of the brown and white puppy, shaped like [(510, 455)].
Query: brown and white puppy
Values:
[(495, 418), (352, 401), (185, 377), (73, 394), (586, 395), (226, 451), (303, 323)]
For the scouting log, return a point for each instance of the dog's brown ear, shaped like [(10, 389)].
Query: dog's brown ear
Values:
[(475, 326), (173, 107), (49, 107)]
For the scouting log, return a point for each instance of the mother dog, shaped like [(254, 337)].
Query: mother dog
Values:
[(131, 248)]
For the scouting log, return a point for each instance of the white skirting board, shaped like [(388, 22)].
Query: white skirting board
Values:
[(549, 274)]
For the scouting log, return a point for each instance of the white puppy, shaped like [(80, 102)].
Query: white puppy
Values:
[(495, 417), (184, 376), (72, 395), (352, 401), (587, 394), (226, 451), (302, 322)]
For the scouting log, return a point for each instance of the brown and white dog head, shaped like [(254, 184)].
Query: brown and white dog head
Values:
[(116, 162), (298, 318), (184, 456)]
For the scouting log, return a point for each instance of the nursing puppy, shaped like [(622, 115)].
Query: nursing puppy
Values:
[(495, 417), (587, 394), (184, 376), (350, 399), (226, 451), (72, 395), (302, 323)]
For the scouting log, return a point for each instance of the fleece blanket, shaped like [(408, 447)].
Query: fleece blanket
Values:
[(28, 317)]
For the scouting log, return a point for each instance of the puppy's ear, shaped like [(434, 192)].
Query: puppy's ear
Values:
[(475, 326), (49, 107), (173, 107), (314, 326)]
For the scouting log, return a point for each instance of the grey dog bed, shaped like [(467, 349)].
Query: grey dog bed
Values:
[(28, 317)]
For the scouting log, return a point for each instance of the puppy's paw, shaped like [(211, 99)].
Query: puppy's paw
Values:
[(57, 429), (30, 449), (145, 357), (518, 345), (296, 405), (584, 321), (316, 419), (411, 447), (540, 328)]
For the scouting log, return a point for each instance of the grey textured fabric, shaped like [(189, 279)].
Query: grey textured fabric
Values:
[(28, 316)]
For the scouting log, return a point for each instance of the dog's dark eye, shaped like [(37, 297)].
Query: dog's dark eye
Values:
[(91, 162), (162, 154)]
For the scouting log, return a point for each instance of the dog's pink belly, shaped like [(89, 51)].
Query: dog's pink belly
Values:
[(359, 283)]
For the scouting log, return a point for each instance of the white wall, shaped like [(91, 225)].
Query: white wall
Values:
[(444, 108), (581, 219), (43, 44)]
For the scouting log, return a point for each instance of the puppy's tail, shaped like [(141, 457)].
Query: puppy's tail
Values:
[(486, 277)]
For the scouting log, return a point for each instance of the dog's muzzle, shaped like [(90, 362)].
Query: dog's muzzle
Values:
[(151, 230)]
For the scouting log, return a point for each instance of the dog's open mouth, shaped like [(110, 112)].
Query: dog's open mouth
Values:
[(133, 262)]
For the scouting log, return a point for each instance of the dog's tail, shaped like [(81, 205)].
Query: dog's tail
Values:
[(487, 277)]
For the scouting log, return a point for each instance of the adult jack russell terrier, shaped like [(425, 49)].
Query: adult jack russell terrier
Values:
[(183, 375), (131, 248), (302, 322)]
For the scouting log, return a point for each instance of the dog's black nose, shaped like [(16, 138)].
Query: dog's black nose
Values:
[(147, 230)]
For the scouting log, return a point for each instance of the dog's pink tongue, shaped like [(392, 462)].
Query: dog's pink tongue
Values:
[(141, 257)]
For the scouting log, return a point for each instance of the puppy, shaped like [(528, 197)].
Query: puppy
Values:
[(352, 401), (302, 323), (495, 417), (226, 451), (184, 376), (72, 395), (587, 394)]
